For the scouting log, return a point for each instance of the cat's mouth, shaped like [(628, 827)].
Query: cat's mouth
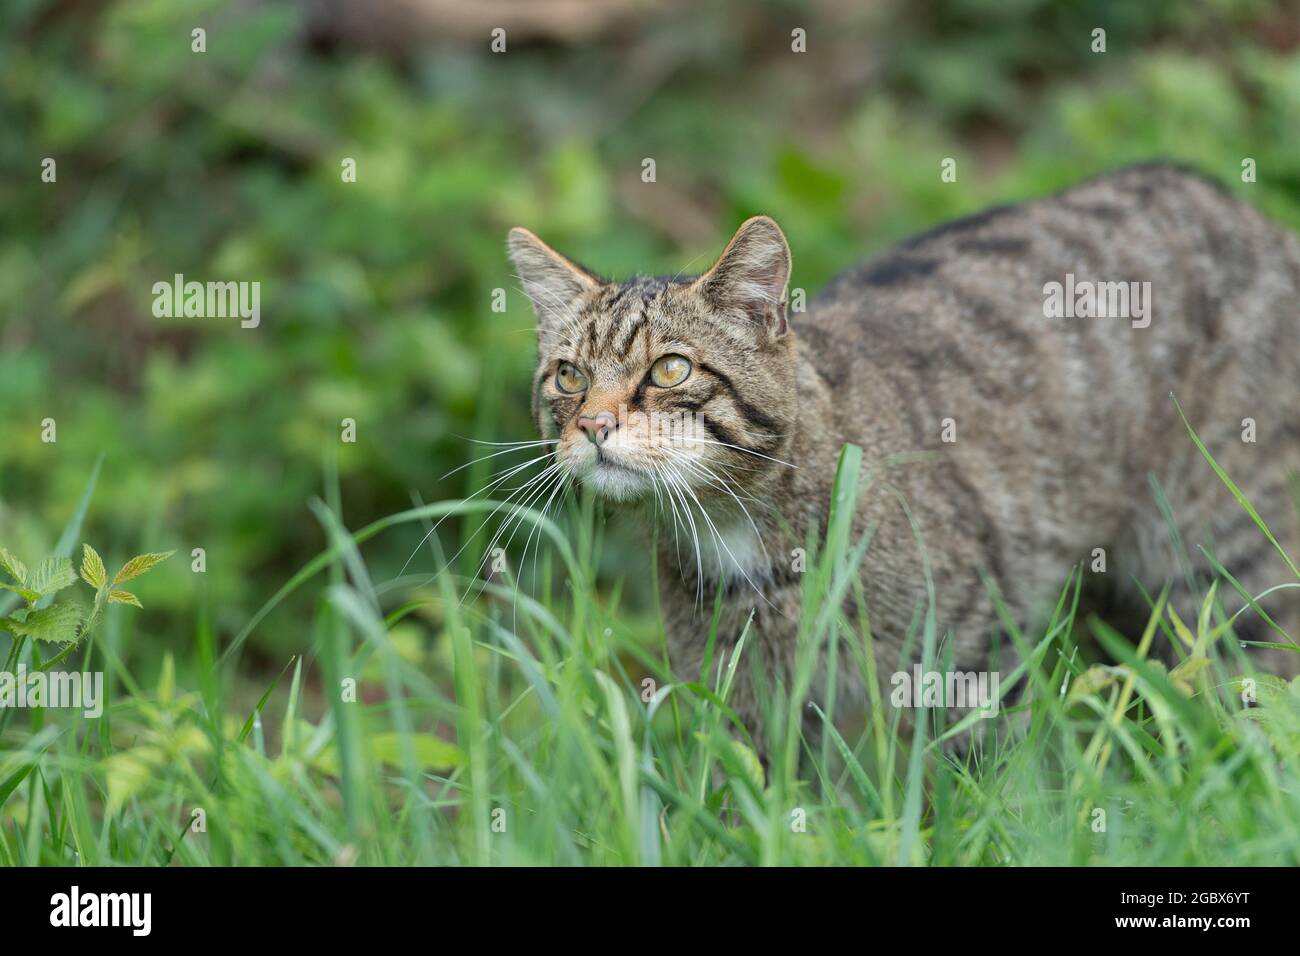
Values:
[(616, 480)]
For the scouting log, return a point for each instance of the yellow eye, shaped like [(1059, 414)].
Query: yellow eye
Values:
[(569, 380), (670, 370)]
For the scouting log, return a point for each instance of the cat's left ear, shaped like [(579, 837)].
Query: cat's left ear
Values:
[(552, 282), (751, 275)]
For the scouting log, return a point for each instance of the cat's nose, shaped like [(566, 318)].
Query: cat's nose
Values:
[(599, 428)]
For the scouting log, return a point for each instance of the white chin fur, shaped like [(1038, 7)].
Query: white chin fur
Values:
[(615, 482)]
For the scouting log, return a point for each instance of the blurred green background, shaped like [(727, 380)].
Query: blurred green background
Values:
[(376, 295)]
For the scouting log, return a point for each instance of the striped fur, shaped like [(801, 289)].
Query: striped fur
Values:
[(1061, 424)]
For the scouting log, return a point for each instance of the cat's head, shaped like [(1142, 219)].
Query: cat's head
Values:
[(655, 381)]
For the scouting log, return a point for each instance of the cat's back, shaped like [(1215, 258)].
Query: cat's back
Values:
[(983, 309), (1152, 215), (971, 343)]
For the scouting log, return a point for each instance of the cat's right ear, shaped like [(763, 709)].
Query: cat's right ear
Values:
[(751, 275), (552, 283)]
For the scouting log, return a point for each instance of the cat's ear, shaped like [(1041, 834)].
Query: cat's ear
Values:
[(751, 274), (553, 283)]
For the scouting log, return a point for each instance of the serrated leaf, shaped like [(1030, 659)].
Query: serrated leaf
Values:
[(92, 567), (127, 772), (58, 623), (28, 595), (116, 596), (140, 564), (17, 570), (53, 575)]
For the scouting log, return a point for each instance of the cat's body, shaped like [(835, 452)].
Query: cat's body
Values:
[(1045, 430)]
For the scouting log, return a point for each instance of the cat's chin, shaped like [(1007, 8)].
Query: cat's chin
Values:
[(618, 481)]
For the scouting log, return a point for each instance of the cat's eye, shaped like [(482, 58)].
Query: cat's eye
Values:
[(569, 380), (670, 370)]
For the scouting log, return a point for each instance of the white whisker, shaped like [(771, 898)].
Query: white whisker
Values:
[(509, 473), (683, 486), (747, 451)]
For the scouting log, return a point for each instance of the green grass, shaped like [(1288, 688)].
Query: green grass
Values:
[(529, 736), (381, 292)]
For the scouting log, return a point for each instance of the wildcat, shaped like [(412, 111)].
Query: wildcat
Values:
[(1047, 420)]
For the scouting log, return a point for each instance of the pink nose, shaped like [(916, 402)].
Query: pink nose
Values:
[(598, 429)]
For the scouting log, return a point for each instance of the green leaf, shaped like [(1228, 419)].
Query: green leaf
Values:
[(1236, 492), (140, 564), (77, 814), (92, 567), (748, 764), (52, 576), (1181, 629), (1093, 680), (123, 597), (16, 569), (60, 623), (1203, 630), (431, 753), (252, 718), (10, 783), (1181, 676), (28, 595)]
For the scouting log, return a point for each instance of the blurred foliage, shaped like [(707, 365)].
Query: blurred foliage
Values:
[(376, 294)]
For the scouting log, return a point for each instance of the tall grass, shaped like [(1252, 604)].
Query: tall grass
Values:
[(543, 728)]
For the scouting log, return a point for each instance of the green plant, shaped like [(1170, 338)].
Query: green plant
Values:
[(66, 622)]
